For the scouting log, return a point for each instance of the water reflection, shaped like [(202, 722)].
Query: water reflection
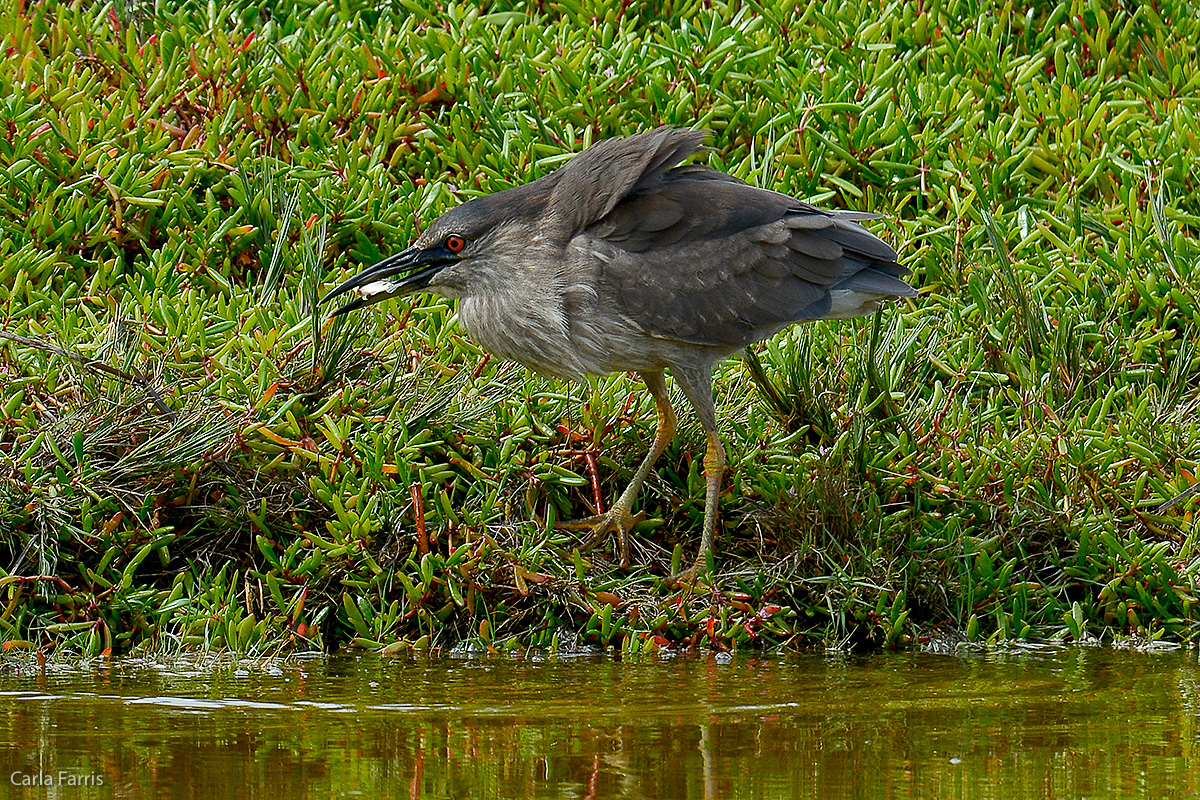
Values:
[(1035, 722)]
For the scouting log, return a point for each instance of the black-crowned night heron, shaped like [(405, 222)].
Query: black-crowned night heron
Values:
[(623, 261)]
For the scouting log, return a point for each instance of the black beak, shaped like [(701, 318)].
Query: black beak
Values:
[(377, 283)]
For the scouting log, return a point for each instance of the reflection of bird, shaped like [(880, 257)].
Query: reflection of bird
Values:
[(623, 261)]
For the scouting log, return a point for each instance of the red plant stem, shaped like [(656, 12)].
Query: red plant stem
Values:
[(594, 475), (419, 511)]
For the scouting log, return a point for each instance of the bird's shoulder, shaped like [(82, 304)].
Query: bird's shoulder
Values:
[(686, 204)]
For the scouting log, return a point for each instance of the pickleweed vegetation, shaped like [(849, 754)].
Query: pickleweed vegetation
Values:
[(192, 456)]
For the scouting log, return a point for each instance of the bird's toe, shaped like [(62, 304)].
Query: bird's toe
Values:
[(695, 574), (618, 521)]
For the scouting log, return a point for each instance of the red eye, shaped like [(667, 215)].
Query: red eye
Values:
[(455, 244)]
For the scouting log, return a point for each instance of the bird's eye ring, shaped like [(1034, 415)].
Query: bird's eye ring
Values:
[(455, 243)]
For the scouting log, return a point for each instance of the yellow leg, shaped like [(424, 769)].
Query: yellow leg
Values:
[(620, 519), (714, 472)]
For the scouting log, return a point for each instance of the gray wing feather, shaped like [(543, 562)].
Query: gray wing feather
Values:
[(871, 281), (816, 244), (592, 183)]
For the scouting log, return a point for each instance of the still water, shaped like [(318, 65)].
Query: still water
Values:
[(1023, 722)]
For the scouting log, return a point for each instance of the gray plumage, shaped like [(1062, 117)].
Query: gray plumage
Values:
[(623, 261)]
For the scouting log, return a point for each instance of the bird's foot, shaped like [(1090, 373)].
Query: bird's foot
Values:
[(696, 573), (618, 521)]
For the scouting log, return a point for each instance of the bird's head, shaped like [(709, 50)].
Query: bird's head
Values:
[(457, 255), (435, 261)]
